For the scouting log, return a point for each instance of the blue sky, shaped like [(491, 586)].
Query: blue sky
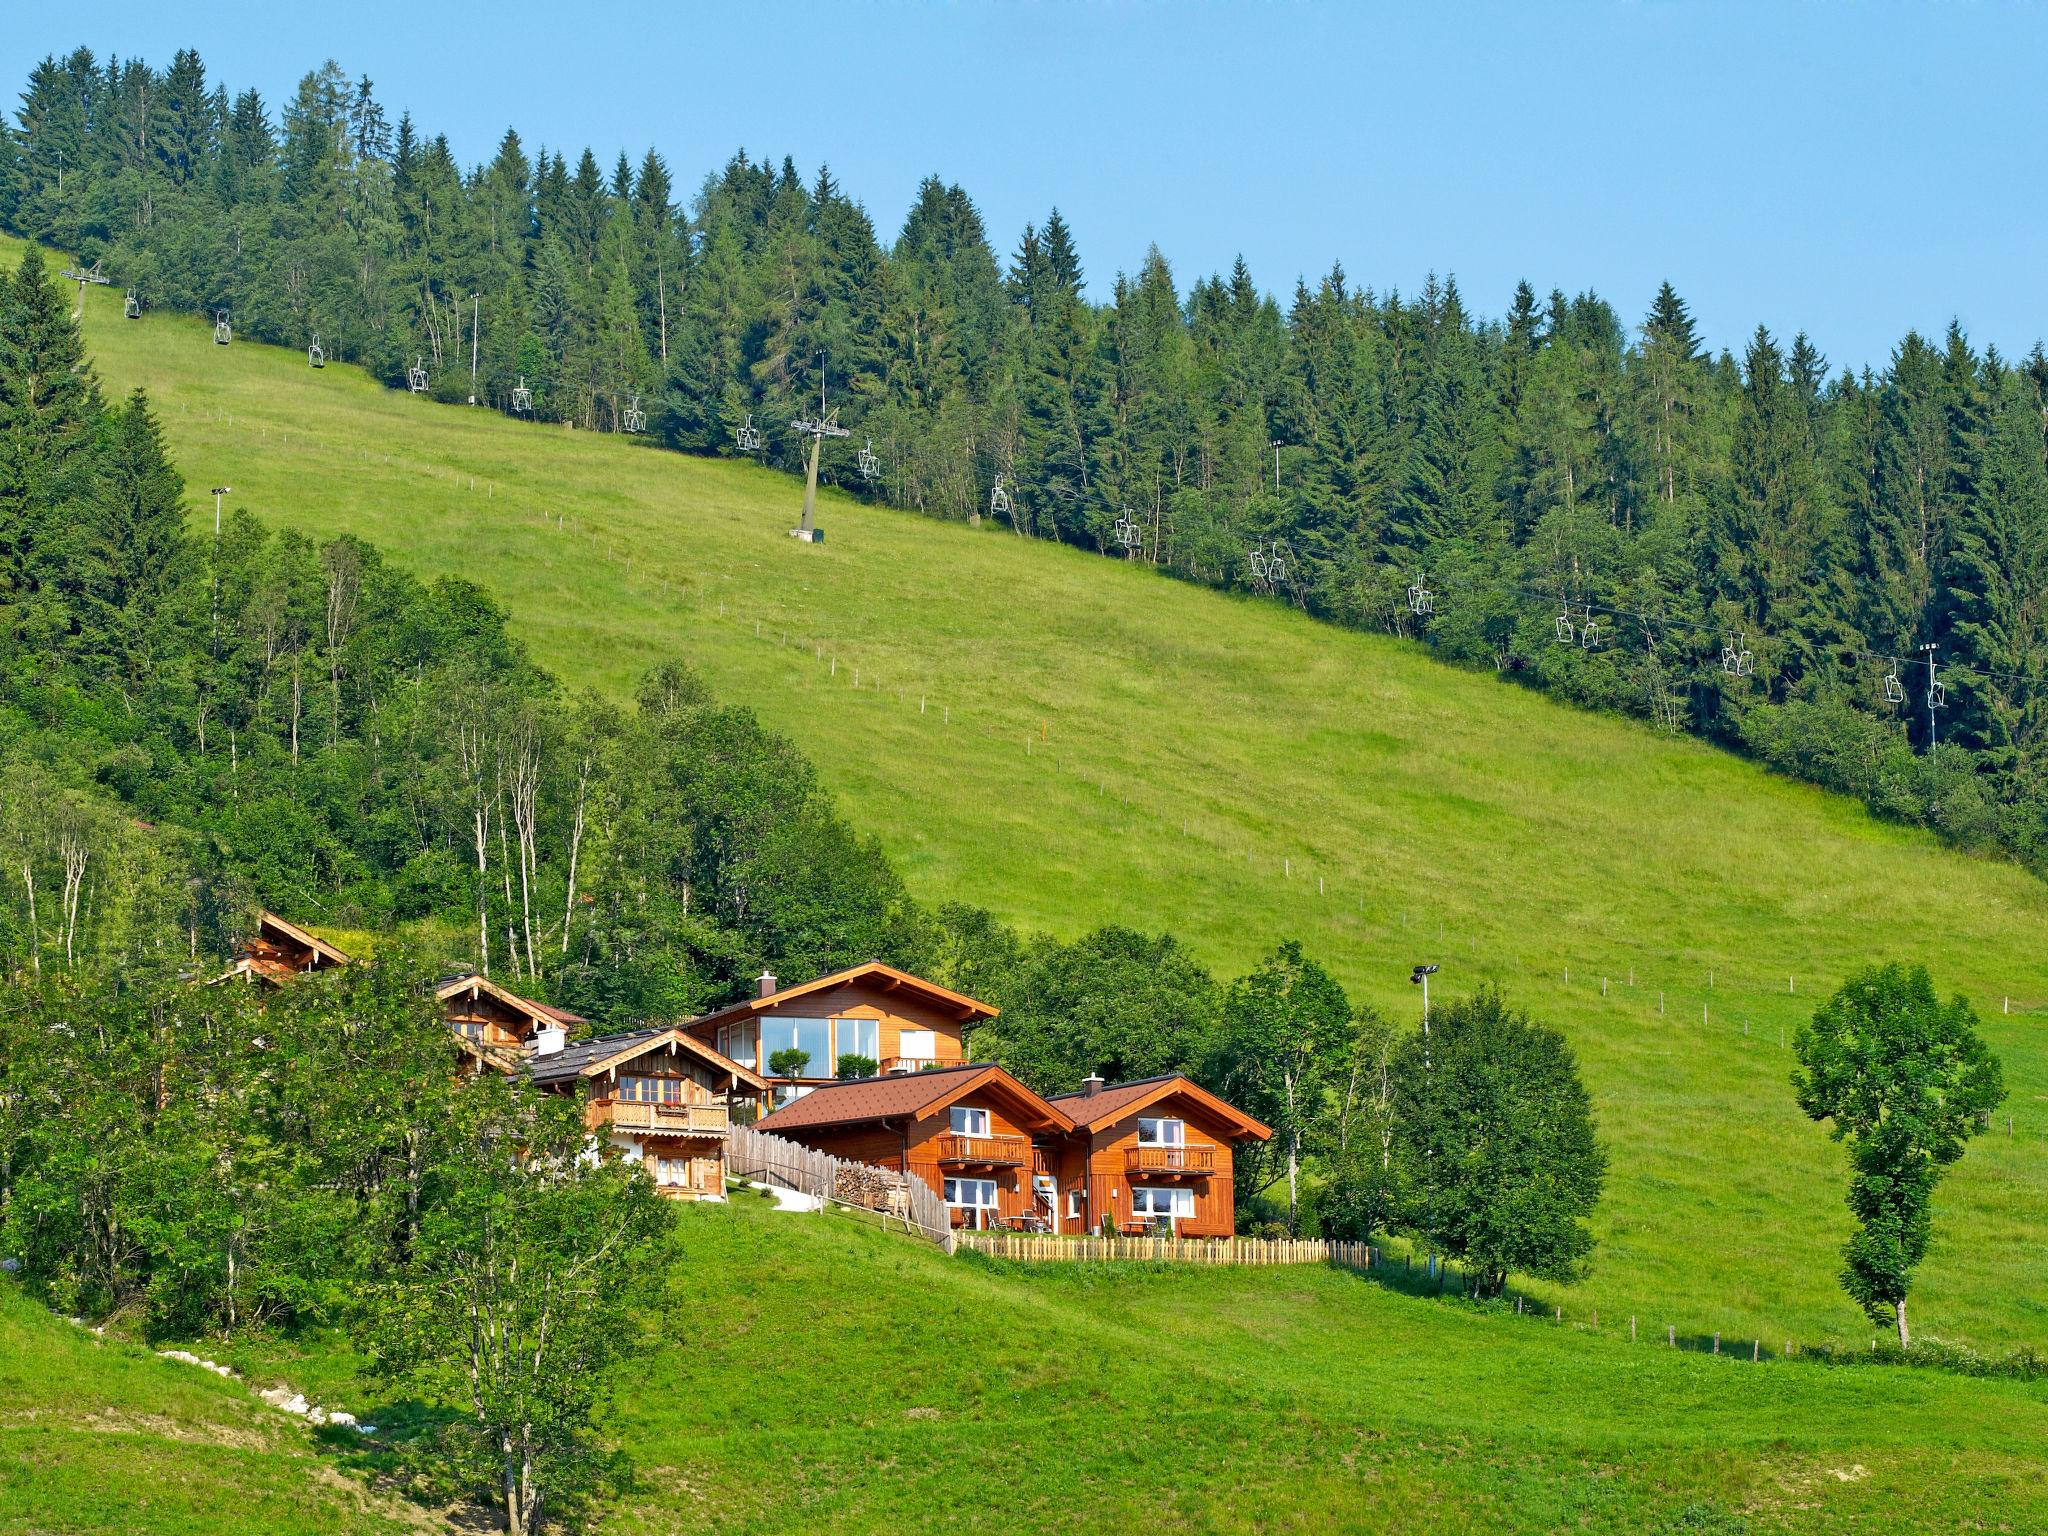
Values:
[(1847, 169)]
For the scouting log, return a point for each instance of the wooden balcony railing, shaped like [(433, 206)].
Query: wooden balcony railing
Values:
[(911, 1063), (668, 1119), (1003, 1151), (1190, 1159)]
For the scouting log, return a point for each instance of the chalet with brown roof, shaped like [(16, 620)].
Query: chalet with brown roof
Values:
[(279, 950), (873, 1012), (493, 1026), (971, 1131), (1148, 1154), (658, 1096)]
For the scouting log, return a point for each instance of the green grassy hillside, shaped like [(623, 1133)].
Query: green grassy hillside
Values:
[(1071, 741), (856, 1382), (98, 1438)]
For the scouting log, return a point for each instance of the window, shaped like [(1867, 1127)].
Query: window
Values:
[(651, 1090), (785, 1094), (672, 1172), (1146, 1201), (1162, 1133), (1074, 1203), (918, 1045), (969, 1122), (811, 1036), (738, 1041), (971, 1194), (469, 1029), (858, 1037)]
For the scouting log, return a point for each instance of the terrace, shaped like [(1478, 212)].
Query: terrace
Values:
[(987, 1151), (1194, 1159)]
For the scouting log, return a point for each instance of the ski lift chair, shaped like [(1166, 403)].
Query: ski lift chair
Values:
[(223, 332), (416, 376), (522, 397), (314, 356), (132, 306)]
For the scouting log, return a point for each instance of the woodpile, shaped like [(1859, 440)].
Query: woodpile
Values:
[(878, 1189)]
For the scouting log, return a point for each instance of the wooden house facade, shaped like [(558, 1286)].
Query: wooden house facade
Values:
[(970, 1131), (875, 1014), (1144, 1157), (277, 950), (1152, 1153), (658, 1097)]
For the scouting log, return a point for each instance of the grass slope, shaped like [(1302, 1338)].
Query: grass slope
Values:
[(1070, 741), (819, 1376), (98, 1438)]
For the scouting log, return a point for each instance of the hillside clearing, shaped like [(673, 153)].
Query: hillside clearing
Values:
[(1069, 741)]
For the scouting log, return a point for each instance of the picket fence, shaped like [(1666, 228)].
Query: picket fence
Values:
[(1169, 1250), (762, 1156)]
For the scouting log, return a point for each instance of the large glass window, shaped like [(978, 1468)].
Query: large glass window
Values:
[(858, 1037), (969, 1122), (1162, 1202), (1162, 1133), (738, 1041), (971, 1194), (811, 1036)]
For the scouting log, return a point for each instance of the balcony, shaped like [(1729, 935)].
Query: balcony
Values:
[(913, 1063), (1196, 1159), (987, 1151), (666, 1119)]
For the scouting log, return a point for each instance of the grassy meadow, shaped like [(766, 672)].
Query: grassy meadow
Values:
[(1070, 740), (98, 1438), (852, 1381)]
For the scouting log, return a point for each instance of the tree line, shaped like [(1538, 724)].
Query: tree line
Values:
[(1754, 548)]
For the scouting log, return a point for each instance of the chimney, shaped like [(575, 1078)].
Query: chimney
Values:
[(548, 1039), (768, 985), (1091, 1085)]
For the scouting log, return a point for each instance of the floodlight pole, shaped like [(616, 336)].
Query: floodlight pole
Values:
[(1420, 976), (476, 309), (1277, 446), (218, 492)]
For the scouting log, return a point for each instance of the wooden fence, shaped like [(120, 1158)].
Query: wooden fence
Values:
[(760, 1155), (1170, 1250)]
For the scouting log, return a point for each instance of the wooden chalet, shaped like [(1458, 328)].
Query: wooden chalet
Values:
[(900, 1022), (1149, 1154), (494, 1027), (971, 1131), (657, 1095), (279, 950), (1145, 1156)]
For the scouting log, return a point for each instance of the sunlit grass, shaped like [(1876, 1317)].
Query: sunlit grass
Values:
[(1069, 740)]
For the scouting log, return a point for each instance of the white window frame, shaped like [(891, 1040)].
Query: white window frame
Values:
[(1180, 1202), (970, 1120), (1074, 1203), (954, 1186), (1163, 1132)]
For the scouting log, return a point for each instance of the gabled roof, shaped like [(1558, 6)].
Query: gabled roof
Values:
[(887, 977), (1117, 1100), (589, 1058), (277, 927), (540, 1013), (909, 1096)]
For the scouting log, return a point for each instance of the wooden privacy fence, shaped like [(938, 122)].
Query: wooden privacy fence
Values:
[(753, 1154), (1170, 1250)]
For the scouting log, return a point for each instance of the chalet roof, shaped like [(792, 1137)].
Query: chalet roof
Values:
[(588, 1058), (1117, 1100), (886, 976), (540, 1013), (907, 1096), (270, 924)]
